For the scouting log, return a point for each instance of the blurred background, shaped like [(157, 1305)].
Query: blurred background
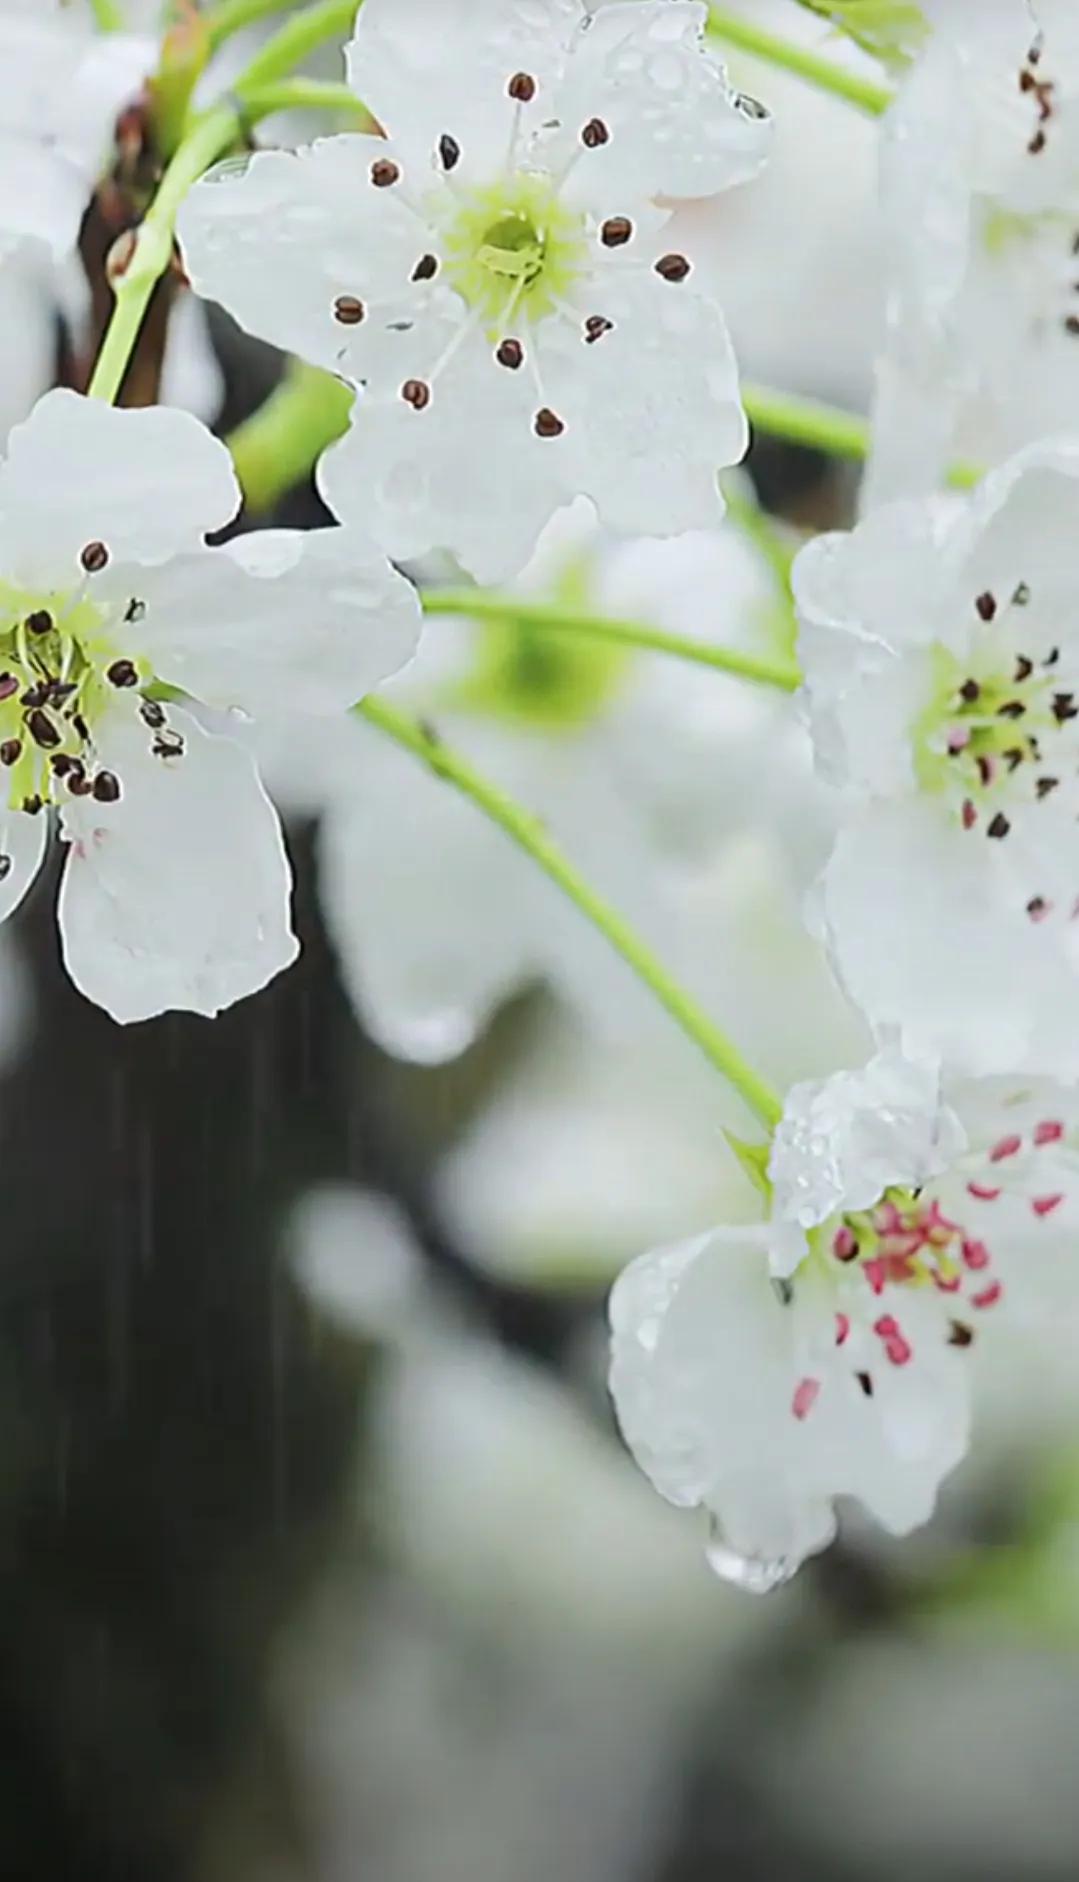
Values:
[(320, 1558)]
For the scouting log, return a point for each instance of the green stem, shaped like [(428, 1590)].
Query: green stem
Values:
[(735, 30), (279, 445), (153, 250), (776, 547), (231, 16), (303, 94), (108, 16), (529, 835), (293, 41), (482, 604)]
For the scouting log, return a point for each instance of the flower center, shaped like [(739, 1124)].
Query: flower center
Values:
[(513, 246), (996, 735)]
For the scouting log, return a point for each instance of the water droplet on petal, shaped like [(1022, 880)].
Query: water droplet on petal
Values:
[(753, 1574)]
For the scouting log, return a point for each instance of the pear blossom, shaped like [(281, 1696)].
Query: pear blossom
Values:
[(980, 202), (762, 1372), (175, 891), (635, 766), (496, 272), (64, 84), (942, 668)]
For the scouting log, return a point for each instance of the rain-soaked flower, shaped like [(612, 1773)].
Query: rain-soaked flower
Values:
[(980, 202), (763, 1372), (62, 86), (176, 887), (497, 273), (941, 654)]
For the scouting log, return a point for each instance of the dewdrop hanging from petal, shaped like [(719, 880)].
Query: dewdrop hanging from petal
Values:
[(495, 273)]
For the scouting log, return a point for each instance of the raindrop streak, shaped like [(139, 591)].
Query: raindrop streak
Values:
[(753, 1574)]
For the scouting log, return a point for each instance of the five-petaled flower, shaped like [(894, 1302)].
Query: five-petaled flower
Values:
[(176, 888), (764, 1372), (495, 273), (939, 645)]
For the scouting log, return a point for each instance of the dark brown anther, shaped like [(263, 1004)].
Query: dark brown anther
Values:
[(1011, 709), (10, 751), (1064, 707), (152, 714), (959, 1334), (106, 787), (6, 866), (616, 232), (1071, 324), (135, 610), (385, 173), (348, 311), (60, 690), (1037, 907), (31, 805), (79, 784), (449, 151), (426, 268), (122, 673), (522, 88), (1037, 143), (672, 267), (42, 730), (999, 826), (40, 622), (511, 353), (62, 763), (1023, 669), (1027, 80), (595, 327), (970, 691), (94, 558), (1013, 757), (168, 745), (1021, 595), (1045, 786), (986, 605), (81, 727), (417, 393), (547, 424), (866, 1383), (9, 686), (595, 134), (36, 695)]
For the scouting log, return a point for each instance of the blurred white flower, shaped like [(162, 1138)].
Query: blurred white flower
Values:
[(942, 666), (980, 179), (498, 275), (63, 86), (763, 1372), (176, 888)]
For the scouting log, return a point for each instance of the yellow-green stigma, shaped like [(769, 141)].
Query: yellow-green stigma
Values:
[(512, 248)]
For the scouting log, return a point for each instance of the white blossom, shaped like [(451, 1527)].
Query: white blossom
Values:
[(764, 1372), (939, 645), (63, 87), (980, 202), (176, 887), (497, 274)]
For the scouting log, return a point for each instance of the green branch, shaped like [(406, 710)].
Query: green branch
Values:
[(231, 16), (108, 16), (279, 445), (290, 45), (826, 74), (484, 605), (529, 835)]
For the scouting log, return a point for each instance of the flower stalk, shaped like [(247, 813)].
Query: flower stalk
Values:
[(486, 604), (733, 29), (528, 834)]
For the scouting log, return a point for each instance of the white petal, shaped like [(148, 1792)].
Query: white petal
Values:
[(926, 935), (467, 474), (23, 840), (652, 409), (677, 127), (277, 622), (176, 897), (148, 484), (843, 1141), (43, 200), (426, 68), (279, 237)]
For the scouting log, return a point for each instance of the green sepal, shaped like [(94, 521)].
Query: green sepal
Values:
[(754, 1161)]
